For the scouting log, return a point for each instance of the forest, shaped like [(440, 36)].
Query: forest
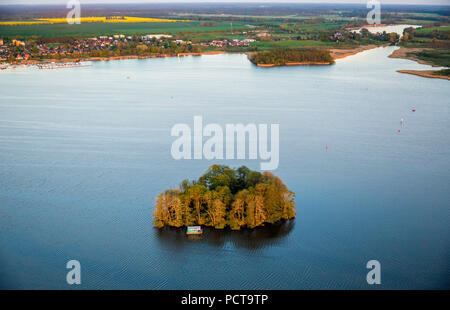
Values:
[(282, 56), (226, 197)]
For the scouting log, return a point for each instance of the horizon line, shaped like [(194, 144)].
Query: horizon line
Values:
[(108, 2)]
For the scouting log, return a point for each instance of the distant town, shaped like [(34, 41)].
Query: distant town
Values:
[(106, 46), (32, 51)]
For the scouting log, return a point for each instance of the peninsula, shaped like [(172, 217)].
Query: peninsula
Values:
[(225, 197), (428, 45)]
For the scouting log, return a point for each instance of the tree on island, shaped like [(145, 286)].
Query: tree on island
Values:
[(283, 56), (226, 197)]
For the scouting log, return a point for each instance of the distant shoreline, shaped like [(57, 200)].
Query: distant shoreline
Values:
[(403, 53), (151, 56), (68, 60), (335, 53), (296, 64), (407, 53)]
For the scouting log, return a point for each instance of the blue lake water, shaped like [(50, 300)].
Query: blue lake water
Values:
[(85, 151)]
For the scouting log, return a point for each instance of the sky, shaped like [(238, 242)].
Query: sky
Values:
[(445, 2)]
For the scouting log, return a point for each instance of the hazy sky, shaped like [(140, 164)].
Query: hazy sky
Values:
[(446, 2)]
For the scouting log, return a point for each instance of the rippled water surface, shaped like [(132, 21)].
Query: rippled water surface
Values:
[(85, 151)]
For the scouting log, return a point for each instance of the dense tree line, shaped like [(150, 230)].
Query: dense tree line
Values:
[(282, 56), (226, 197), (435, 33)]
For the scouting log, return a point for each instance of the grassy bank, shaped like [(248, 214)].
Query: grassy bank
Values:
[(439, 57)]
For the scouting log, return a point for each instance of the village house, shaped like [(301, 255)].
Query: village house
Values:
[(18, 43), (336, 36), (222, 43), (261, 34), (155, 36)]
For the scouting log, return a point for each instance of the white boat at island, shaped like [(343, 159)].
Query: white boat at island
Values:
[(194, 230)]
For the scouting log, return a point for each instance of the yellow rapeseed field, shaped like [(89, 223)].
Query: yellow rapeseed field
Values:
[(114, 19)]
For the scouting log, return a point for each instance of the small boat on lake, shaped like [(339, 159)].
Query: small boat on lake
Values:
[(194, 230)]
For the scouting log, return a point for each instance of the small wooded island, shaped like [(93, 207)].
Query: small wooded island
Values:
[(291, 57), (226, 197)]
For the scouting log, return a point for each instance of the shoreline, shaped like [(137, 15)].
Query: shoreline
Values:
[(425, 73), (337, 53), (71, 60), (406, 53), (296, 64), (149, 56)]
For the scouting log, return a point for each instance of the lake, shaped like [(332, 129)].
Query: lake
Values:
[(85, 151), (398, 29)]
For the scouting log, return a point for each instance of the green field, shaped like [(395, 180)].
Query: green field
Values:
[(267, 17), (93, 29), (430, 29), (209, 36), (290, 43), (440, 57), (322, 26)]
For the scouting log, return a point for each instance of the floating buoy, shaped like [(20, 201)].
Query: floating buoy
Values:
[(414, 109), (398, 130), (326, 147)]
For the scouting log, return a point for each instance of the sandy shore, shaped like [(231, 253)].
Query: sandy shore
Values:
[(425, 73), (338, 53), (266, 65), (308, 63), (296, 64)]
